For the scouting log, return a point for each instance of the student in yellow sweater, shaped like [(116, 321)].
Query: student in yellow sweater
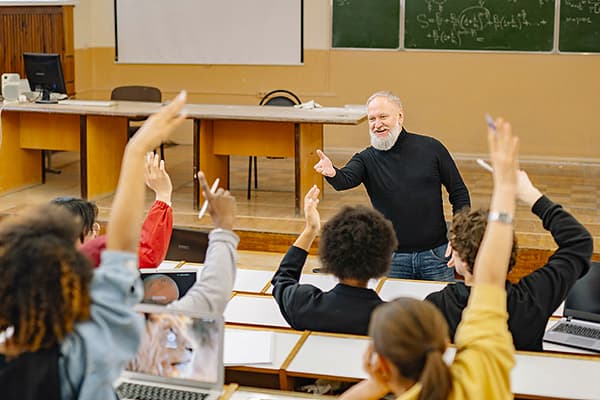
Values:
[(409, 337)]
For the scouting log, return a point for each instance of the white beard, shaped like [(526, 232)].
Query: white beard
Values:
[(387, 142)]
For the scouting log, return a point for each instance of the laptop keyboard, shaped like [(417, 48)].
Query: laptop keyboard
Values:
[(145, 392), (579, 330)]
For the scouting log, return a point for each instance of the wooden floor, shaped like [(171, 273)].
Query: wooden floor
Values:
[(271, 208)]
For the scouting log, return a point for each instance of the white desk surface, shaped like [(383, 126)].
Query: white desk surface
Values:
[(254, 310), (245, 393), (325, 282), (394, 288), (556, 376), (331, 355), (251, 280), (284, 343)]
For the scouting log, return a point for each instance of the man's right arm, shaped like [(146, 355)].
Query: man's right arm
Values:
[(350, 176)]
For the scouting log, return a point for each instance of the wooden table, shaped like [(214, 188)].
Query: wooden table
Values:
[(100, 134)]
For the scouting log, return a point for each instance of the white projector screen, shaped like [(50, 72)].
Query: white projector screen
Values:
[(209, 32)]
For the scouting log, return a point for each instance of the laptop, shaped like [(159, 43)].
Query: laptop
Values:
[(580, 326), (180, 357), (188, 244), (164, 286)]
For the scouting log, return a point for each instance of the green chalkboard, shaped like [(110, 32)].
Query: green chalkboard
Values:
[(511, 25), (366, 24), (579, 26)]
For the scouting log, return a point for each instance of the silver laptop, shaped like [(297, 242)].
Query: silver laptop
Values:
[(580, 326), (180, 357)]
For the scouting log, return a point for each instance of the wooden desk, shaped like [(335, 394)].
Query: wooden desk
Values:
[(100, 134)]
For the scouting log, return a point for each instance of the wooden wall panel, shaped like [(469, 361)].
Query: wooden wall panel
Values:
[(47, 29)]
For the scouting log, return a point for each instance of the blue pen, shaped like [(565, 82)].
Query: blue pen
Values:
[(490, 122)]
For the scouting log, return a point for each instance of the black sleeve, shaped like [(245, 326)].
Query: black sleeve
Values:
[(351, 175), (458, 194), (550, 284), (291, 296)]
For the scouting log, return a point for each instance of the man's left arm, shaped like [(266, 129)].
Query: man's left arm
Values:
[(458, 193)]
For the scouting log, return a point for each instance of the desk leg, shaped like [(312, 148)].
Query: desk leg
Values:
[(103, 141), (309, 138), (18, 167), (213, 166)]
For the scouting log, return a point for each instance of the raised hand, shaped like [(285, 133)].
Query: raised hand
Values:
[(157, 178), (221, 204), (324, 166), (526, 192), (311, 214), (158, 127), (504, 149)]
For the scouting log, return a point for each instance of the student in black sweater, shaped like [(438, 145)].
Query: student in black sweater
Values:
[(403, 174), (533, 300), (356, 245)]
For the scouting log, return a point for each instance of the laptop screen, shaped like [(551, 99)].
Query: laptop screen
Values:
[(583, 301), (163, 287), (188, 245), (180, 347)]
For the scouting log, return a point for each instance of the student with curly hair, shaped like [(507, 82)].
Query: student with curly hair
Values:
[(356, 245), (409, 337), (534, 298), (67, 331)]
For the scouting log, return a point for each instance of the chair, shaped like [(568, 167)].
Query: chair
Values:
[(280, 98), (138, 93)]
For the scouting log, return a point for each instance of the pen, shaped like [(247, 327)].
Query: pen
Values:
[(490, 122), (205, 205), (485, 165)]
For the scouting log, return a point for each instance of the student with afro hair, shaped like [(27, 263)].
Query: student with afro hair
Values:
[(356, 245)]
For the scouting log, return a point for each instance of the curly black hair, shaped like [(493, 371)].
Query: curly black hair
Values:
[(85, 210), (44, 280), (466, 233), (357, 243)]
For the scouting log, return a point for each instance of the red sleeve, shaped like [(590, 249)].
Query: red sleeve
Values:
[(156, 235), (93, 248)]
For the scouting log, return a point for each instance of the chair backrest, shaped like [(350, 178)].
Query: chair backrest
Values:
[(280, 97), (137, 93)]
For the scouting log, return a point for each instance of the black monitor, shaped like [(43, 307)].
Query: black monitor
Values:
[(44, 73)]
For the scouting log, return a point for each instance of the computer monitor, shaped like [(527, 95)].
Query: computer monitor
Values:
[(44, 73)]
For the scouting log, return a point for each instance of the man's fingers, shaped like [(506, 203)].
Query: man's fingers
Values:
[(321, 155), (204, 185)]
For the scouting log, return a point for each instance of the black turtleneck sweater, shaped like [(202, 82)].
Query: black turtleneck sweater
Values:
[(405, 185)]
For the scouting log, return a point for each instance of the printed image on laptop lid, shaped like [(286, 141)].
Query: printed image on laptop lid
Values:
[(163, 287), (180, 356), (581, 326), (188, 244)]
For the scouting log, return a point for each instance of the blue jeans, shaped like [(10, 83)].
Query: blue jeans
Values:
[(426, 265)]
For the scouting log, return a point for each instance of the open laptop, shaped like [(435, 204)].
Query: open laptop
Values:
[(164, 286), (188, 244), (580, 326), (180, 357)]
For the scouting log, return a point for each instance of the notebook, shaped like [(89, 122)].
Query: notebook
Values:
[(166, 285), (180, 357), (188, 244), (580, 326)]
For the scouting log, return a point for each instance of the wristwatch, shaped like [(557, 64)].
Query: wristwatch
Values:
[(502, 217)]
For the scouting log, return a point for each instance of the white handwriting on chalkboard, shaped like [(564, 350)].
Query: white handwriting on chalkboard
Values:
[(472, 22), (591, 6)]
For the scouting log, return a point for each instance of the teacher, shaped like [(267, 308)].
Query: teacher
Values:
[(403, 173)]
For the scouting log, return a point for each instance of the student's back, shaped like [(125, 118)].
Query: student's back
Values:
[(356, 245)]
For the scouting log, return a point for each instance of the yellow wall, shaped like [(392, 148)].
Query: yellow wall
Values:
[(552, 99)]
